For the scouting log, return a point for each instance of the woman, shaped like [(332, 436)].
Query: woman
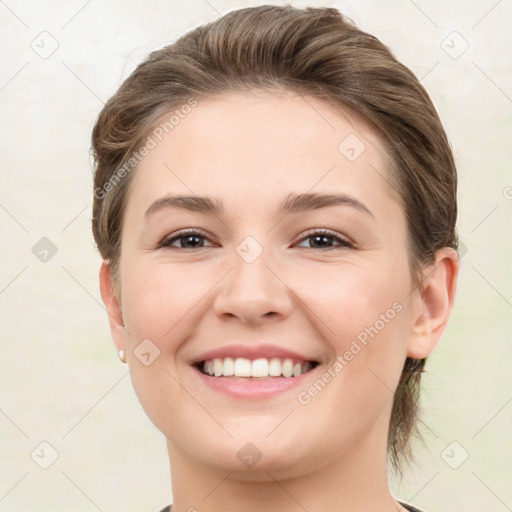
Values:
[(275, 204)]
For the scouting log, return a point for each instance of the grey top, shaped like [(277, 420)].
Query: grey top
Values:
[(408, 507)]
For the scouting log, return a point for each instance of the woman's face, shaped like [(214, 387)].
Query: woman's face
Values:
[(325, 281)]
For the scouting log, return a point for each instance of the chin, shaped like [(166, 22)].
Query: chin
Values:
[(252, 457)]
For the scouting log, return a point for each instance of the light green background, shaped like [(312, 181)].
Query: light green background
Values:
[(61, 381)]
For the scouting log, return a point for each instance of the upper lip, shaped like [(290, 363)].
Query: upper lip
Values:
[(251, 352)]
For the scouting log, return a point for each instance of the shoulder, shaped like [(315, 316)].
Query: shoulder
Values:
[(408, 507)]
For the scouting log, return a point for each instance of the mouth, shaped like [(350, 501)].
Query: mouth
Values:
[(254, 369)]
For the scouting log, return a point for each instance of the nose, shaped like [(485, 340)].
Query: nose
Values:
[(254, 292)]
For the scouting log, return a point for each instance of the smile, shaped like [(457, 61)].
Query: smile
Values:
[(255, 368)]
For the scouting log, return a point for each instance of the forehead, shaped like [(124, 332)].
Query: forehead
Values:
[(260, 144)]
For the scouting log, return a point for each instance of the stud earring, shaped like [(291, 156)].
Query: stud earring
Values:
[(122, 356)]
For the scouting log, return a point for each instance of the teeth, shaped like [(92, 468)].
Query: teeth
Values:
[(287, 368), (217, 367), (259, 368), (228, 368), (241, 367), (275, 366)]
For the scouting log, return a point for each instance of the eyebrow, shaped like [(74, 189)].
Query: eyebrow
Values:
[(293, 204)]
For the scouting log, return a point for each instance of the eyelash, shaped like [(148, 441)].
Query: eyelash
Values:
[(343, 243)]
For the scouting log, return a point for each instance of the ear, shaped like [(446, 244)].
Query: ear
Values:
[(435, 303), (115, 316)]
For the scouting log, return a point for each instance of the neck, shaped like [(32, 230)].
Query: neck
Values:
[(350, 480)]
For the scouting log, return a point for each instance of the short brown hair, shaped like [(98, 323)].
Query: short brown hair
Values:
[(314, 51)]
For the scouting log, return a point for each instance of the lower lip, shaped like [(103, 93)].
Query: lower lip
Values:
[(250, 387)]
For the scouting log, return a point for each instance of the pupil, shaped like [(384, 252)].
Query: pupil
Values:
[(191, 238), (321, 238)]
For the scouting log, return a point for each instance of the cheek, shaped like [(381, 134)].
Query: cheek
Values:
[(158, 301), (352, 301), (363, 313), (161, 304)]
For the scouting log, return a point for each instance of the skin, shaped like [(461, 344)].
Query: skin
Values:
[(250, 150)]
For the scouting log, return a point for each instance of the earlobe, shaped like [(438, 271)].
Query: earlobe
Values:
[(115, 316), (435, 303)]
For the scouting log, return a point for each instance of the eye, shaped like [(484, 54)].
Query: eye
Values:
[(189, 239), (322, 238)]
